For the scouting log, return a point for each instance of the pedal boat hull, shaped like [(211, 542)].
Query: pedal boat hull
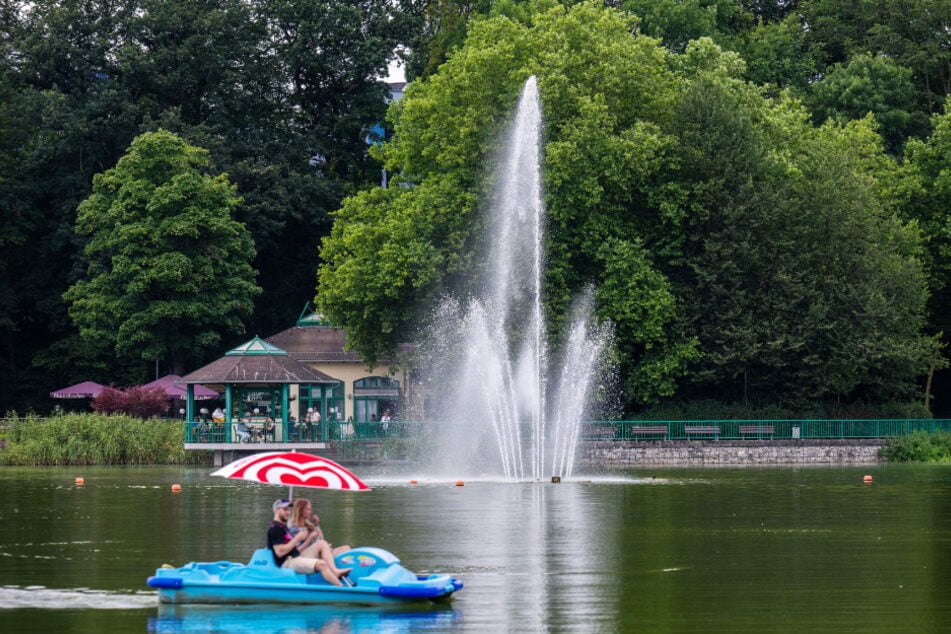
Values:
[(377, 574)]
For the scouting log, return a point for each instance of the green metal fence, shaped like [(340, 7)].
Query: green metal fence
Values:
[(757, 429), (348, 435), (295, 433)]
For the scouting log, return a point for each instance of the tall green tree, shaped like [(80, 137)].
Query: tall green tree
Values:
[(65, 118), (391, 252), (927, 186), (801, 284), (82, 78), (728, 238), (677, 22), (912, 33), (870, 84), (169, 267)]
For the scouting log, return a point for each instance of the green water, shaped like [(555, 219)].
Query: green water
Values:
[(672, 550)]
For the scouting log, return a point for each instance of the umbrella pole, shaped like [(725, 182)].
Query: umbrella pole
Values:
[(290, 496)]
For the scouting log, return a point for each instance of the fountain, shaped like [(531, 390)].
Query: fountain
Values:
[(506, 410)]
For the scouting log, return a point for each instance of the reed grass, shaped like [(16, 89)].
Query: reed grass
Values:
[(94, 439)]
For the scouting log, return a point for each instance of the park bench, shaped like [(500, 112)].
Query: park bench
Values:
[(647, 430), (702, 430), (759, 431)]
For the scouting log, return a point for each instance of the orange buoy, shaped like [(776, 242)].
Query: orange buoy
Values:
[(460, 483), (867, 478), (80, 482), (176, 488), (412, 481)]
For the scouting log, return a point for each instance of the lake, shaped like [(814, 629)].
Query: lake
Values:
[(654, 550)]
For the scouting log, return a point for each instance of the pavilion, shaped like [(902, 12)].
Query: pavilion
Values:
[(256, 378), (360, 394)]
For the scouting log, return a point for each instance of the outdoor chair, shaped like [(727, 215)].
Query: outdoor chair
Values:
[(244, 435)]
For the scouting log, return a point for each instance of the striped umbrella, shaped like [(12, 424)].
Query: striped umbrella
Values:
[(293, 469)]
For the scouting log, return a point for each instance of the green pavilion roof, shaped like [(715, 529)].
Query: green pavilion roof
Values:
[(256, 347), (312, 319)]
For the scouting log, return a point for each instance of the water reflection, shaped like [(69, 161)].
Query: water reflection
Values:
[(297, 619), (769, 550), (41, 597)]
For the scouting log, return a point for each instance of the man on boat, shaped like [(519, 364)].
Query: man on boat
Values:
[(316, 557)]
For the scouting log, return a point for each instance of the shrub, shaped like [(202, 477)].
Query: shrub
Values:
[(138, 401), (919, 446)]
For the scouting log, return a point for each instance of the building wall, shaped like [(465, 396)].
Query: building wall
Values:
[(349, 373)]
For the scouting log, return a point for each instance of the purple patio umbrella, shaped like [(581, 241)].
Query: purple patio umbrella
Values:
[(178, 390), (86, 389)]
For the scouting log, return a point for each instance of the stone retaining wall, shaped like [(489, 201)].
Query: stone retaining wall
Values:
[(729, 452)]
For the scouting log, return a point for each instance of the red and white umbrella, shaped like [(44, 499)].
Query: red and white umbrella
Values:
[(293, 469)]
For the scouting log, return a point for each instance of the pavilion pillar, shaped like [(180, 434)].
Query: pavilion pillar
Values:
[(189, 402), (285, 402), (228, 405)]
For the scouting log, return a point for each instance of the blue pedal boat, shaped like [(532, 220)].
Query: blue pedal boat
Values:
[(378, 579)]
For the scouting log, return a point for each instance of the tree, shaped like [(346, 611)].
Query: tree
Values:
[(912, 33), (927, 185), (801, 284), (678, 22), (442, 29), (82, 78), (391, 252), (64, 118), (869, 84), (727, 237), (777, 54), (169, 268)]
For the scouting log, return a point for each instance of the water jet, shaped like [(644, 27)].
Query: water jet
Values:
[(509, 408)]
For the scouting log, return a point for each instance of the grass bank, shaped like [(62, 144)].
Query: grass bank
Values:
[(94, 439), (919, 446)]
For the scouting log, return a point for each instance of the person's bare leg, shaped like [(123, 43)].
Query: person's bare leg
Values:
[(322, 550), (327, 554), (325, 572)]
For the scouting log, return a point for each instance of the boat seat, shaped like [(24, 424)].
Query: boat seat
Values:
[(262, 558)]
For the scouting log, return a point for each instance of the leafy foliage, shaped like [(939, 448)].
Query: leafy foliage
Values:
[(729, 239), (169, 269), (874, 85), (392, 252), (281, 94), (919, 446), (926, 189), (265, 87), (137, 401)]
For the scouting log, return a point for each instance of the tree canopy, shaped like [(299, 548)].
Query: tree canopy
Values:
[(280, 94), (672, 222), (739, 250), (169, 268)]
